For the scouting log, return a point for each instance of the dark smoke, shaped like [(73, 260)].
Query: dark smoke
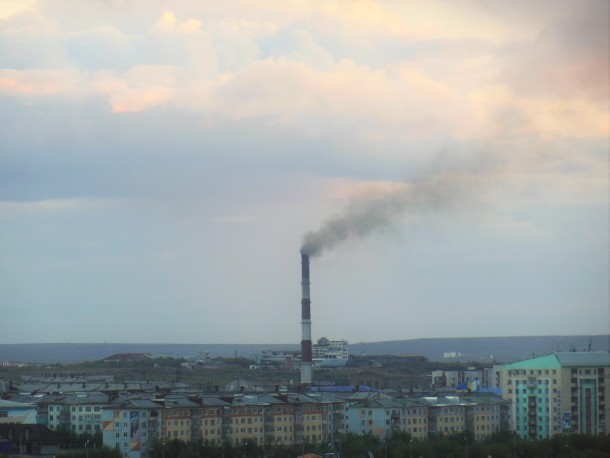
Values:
[(363, 216)]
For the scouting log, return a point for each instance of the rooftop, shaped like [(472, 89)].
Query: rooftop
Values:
[(563, 359)]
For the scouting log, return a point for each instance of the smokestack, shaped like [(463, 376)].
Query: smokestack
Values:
[(306, 352)]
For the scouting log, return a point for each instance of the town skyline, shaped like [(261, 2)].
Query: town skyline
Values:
[(163, 164)]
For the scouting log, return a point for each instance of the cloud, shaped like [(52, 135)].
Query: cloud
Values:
[(140, 88), (102, 48), (567, 59), (8, 208), (250, 122), (168, 22), (302, 77), (190, 26), (11, 7), (300, 46), (236, 219), (28, 24), (461, 88), (40, 82)]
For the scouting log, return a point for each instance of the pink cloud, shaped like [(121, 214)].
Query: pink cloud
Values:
[(38, 82), (141, 88)]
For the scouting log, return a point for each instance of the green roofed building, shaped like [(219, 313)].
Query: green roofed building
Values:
[(559, 393)]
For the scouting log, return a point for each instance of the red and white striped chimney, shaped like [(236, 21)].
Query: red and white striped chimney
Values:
[(306, 352)]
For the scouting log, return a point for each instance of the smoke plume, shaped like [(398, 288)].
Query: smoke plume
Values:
[(364, 216)]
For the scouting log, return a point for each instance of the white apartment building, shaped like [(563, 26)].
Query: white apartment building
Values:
[(330, 349)]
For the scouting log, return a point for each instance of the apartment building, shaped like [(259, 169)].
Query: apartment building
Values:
[(85, 412), (455, 378), (280, 428), (559, 392), (446, 415), (310, 418), (376, 417), (50, 410), (489, 414), (79, 413), (246, 420), (415, 418), (209, 420), (335, 415), (131, 426), (175, 419)]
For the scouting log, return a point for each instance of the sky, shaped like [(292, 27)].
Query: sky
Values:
[(163, 163)]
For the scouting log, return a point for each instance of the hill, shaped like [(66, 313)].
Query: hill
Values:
[(480, 349)]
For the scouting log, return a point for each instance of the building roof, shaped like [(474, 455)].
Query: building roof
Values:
[(18, 412), (15, 405), (134, 402), (563, 359), (584, 358), (540, 362), (210, 401), (180, 402), (448, 401)]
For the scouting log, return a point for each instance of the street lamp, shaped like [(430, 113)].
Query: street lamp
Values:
[(410, 447), (87, 448)]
